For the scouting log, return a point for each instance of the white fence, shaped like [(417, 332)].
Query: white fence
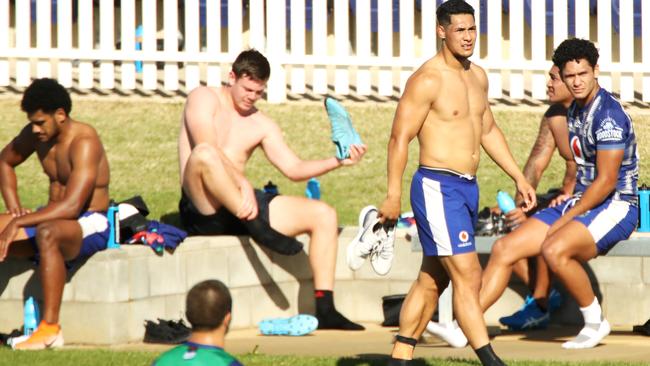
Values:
[(351, 46)]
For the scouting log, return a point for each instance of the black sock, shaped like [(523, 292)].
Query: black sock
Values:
[(399, 362), (488, 357), (328, 316), (265, 235)]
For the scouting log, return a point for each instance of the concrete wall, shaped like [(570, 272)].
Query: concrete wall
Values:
[(107, 299)]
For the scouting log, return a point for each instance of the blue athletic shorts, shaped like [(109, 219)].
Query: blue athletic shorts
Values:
[(445, 206), (610, 222), (94, 230)]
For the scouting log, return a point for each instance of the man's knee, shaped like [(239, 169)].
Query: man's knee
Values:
[(501, 252), (204, 154), (46, 237), (325, 214), (554, 255)]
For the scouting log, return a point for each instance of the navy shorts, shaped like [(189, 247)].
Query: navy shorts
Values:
[(610, 222), (94, 231), (445, 206)]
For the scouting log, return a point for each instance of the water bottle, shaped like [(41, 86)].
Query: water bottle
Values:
[(271, 188), (644, 209), (313, 189), (31, 317), (506, 203), (113, 227)]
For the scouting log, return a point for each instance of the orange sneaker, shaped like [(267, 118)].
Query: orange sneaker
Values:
[(45, 336)]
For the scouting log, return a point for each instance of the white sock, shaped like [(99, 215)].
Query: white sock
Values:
[(592, 314), (448, 332), (595, 329)]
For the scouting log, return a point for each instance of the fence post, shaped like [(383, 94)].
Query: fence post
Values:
[(516, 49), (4, 41), (319, 44), (276, 50), (494, 48), (127, 37), (364, 81), (23, 40), (170, 30), (192, 23), (605, 42), (385, 45), (406, 40), (342, 46), (106, 43), (298, 26), (626, 49), (645, 37), (213, 40), (43, 36)]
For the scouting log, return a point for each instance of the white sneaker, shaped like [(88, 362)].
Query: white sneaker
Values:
[(381, 258), (448, 332), (589, 337), (363, 243)]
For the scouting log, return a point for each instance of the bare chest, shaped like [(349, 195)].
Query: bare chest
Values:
[(55, 161), (461, 97)]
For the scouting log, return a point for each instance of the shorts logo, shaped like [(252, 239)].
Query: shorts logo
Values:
[(463, 236)]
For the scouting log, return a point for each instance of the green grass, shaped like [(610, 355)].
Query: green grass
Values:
[(133, 358), (140, 138)]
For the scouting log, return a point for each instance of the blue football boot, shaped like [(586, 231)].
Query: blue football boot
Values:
[(343, 133)]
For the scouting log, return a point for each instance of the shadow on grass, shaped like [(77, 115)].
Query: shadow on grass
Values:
[(370, 359)]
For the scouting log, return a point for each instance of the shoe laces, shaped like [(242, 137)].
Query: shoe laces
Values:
[(381, 247)]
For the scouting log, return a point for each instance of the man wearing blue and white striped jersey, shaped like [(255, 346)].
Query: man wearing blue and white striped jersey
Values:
[(602, 211)]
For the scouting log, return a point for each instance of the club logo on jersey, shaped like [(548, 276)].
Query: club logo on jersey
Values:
[(609, 131), (463, 236)]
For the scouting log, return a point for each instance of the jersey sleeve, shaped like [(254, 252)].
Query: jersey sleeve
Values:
[(612, 130)]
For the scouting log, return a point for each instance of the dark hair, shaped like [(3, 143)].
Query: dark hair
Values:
[(46, 95), (207, 304), (575, 49), (452, 7), (253, 64)]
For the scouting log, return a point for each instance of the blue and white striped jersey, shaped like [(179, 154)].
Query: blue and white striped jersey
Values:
[(604, 125)]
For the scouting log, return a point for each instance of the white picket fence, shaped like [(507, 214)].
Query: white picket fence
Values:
[(314, 46)]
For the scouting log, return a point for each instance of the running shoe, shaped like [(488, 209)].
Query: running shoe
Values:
[(45, 336), (529, 317), (298, 325), (343, 134), (381, 257), (590, 336), (363, 243)]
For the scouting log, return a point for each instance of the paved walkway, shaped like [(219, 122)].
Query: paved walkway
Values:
[(621, 345)]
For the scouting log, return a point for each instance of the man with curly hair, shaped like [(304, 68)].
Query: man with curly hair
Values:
[(73, 224), (603, 209)]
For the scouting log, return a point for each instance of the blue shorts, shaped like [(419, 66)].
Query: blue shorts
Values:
[(94, 231), (610, 222), (445, 206)]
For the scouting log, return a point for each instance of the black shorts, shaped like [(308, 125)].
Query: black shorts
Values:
[(222, 222)]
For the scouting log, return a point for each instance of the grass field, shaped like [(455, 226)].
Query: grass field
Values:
[(108, 357), (140, 138)]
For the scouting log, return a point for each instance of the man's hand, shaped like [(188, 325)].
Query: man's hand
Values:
[(6, 237), (248, 209), (528, 193), (390, 210), (18, 211), (515, 217), (559, 199), (356, 153)]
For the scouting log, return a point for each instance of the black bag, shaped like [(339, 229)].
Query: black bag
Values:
[(392, 305)]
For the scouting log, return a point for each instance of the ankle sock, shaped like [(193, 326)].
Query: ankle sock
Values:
[(592, 313), (327, 315), (262, 232), (488, 357), (48, 328)]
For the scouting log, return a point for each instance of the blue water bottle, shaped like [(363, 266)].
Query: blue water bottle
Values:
[(506, 203), (30, 315), (313, 189), (644, 209), (113, 227)]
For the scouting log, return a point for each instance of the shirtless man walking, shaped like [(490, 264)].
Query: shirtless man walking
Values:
[(220, 129), (445, 105), (73, 224)]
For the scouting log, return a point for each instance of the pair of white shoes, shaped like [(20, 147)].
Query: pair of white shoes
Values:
[(374, 240), (589, 337)]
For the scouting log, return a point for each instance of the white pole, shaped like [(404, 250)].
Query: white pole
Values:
[(127, 19), (106, 43)]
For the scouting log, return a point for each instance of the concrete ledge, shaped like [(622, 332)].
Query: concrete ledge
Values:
[(108, 298)]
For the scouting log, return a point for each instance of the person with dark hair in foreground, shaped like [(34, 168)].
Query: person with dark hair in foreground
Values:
[(445, 105), (208, 308), (220, 130), (73, 224)]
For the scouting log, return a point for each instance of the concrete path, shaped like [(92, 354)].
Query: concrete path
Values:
[(376, 341)]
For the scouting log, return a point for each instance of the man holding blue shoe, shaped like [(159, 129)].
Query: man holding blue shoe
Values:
[(220, 129)]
